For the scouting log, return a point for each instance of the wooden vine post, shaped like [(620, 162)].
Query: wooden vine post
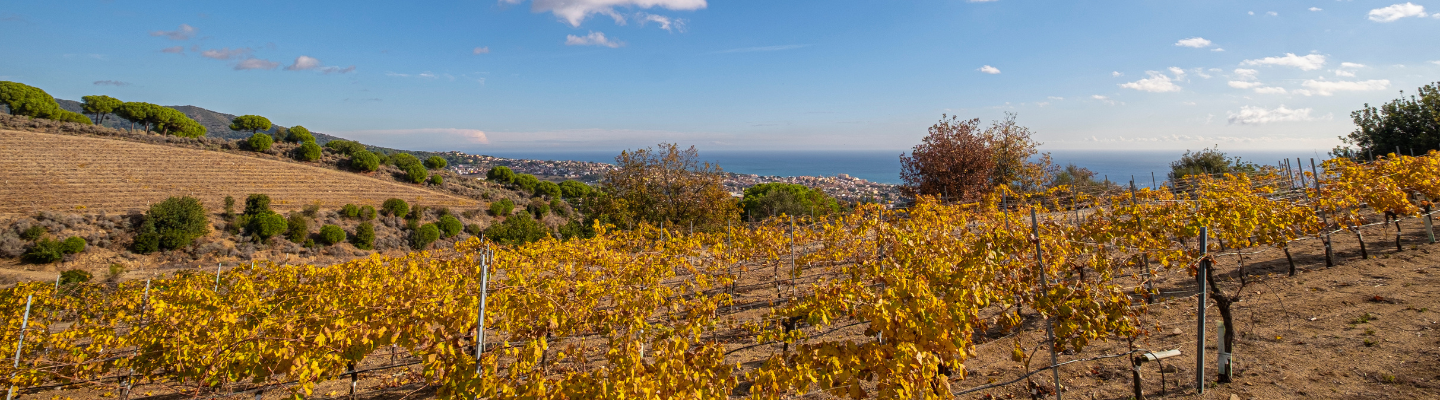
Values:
[(20, 345), (485, 256), (1045, 288), (1200, 310)]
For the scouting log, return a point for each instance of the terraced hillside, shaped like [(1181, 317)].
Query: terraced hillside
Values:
[(42, 171)]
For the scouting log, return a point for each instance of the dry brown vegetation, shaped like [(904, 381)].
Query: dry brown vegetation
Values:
[(43, 171)]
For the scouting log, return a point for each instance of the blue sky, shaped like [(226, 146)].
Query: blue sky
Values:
[(535, 75)]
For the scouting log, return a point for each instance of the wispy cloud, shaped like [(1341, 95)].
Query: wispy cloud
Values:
[(1156, 83), (1328, 88), (173, 50), (451, 136), (183, 33), (1397, 11), (337, 70), (989, 70), (1104, 99), (111, 83), (1316, 9), (481, 50), (1243, 84), (593, 39), (666, 23), (227, 53), (255, 63), (1306, 63), (574, 12), (1194, 42), (1252, 115)]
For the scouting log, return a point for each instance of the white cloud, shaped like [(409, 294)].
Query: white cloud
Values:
[(226, 53), (1156, 83), (576, 11), (256, 63), (1251, 115), (1344, 73), (1116, 74), (394, 137), (1195, 42), (183, 33), (1246, 74), (1105, 100), (1316, 9), (1056, 98), (593, 39), (1270, 90), (989, 70), (1327, 88), (666, 23), (1217, 49), (303, 63), (338, 70), (1351, 65), (1436, 62), (1243, 84), (1272, 13), (481, 50), (1307, 63), (173, 50), (1179, 73), (1397, 11)]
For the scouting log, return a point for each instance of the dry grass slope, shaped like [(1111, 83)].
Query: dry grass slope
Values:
[(43, 171)]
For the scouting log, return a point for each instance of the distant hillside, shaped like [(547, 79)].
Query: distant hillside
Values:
[(216, 123)]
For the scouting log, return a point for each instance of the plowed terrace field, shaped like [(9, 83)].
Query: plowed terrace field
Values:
[(42, 171)]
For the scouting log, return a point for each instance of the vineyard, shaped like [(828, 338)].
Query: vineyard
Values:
[(62, 172), (877, 303)]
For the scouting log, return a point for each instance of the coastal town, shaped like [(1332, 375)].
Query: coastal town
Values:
[(842, 187)]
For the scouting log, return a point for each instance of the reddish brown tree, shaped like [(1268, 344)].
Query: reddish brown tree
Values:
[(952, 162)]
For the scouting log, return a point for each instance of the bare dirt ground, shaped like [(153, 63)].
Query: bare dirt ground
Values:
[(45, 171), (1363, 329)]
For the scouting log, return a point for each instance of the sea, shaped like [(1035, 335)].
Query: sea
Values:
[(884, 166)]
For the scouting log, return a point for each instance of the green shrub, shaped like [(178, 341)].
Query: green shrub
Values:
[(309, 243), (395, 207), (425, 235), (437, 180), (436, 162), (297, 228), (548, 189), (73, 245), (74, 276), (309, 151), (517, 229), (502, 174), (450, 226), (298, 134), (1208, 161), (502, 208), (312, 210), (331, 234), (577, 229), (557, 207), (574, 189), (34, 232), (172, 224), (364, 161), (257, 204), (415, 172), (259, 142), (527, 182), (45, 251), (345, 147), (384, 159), (540, 210), (229, 207), (267, 225), (367, 213), (350, 211), (473, 229), (405, 159), (364, 236)]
